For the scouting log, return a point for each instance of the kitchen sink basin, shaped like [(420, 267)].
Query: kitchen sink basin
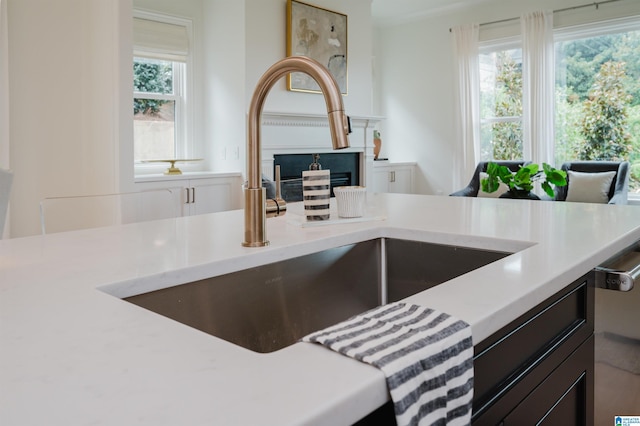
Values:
[(269, 307)]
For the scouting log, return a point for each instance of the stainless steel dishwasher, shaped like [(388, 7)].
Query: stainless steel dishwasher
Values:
[(617, 338)]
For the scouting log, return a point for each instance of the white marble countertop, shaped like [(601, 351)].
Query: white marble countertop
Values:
[(73, 353)]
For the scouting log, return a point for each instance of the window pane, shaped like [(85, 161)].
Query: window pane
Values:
[(154, 129), (598, 100), (152, 76), (501, 105)]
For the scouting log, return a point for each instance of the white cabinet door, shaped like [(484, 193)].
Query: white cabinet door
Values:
[(393, 178), (380, 181), (401, 180), (199, 195), (209, 196)]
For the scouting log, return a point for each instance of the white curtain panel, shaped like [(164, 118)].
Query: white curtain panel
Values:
[(4, 110), (4, 86), (467, 102), (538, 77)]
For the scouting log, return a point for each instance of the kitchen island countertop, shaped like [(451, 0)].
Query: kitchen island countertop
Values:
[(73, 352)]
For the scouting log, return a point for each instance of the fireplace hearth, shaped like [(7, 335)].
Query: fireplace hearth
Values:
[(344, 167)]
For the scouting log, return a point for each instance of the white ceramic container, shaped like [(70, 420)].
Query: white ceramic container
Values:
[(350, 200)]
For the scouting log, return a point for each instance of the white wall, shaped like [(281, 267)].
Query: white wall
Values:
[(224, 85), (64, 115), (415, 85)]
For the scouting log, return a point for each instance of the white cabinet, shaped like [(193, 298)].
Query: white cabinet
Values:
[(393, 177), (210, 195), (198, 193)]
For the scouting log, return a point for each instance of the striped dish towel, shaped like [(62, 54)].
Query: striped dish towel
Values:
[(426, 356)]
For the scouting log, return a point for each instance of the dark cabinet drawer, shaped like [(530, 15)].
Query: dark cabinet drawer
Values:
[(565, 397), (511, 363)]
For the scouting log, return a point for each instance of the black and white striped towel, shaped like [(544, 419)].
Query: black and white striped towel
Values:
[(426, 356)]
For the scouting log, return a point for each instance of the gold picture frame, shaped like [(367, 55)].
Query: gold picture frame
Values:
[(319, 34)]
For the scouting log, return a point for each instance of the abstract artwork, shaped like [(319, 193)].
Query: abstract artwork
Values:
[(319, 34)]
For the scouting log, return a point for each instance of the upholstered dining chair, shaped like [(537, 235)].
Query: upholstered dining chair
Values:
[(473, 189), (605, 182), (6, 179)]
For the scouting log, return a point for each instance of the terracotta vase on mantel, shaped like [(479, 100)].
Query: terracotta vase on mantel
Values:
[(377, 144)]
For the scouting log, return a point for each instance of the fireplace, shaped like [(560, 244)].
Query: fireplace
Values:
[(344, 167)]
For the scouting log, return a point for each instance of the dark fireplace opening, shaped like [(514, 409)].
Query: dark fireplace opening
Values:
[(344, 169)]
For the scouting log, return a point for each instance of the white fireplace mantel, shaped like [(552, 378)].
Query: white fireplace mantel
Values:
[(292, 133), (270, 118)]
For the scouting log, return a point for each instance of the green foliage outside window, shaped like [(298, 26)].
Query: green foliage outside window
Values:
[(501, 106), (151, 77), (598, 113), (604, 122), (580, 59), (507, 136)]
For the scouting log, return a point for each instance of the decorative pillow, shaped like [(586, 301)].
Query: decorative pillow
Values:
[(501, 189), (589, 187)]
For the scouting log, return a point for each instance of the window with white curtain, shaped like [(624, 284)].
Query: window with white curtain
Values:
[(584, 92), (598, 94), (161, 74)]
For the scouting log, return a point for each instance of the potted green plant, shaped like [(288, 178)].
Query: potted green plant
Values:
[(521, 182)]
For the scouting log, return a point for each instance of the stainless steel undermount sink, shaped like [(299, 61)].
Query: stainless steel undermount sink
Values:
[(270, 307)]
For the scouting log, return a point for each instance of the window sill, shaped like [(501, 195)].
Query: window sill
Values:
[(184, 176), (634, 199)]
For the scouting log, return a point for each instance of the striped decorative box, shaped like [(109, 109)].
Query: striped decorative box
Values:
[(316, 191)]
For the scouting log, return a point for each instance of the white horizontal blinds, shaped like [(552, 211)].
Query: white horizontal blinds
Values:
[(160, 40)]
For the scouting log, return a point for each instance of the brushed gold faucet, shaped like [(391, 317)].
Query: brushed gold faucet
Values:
[(255, 204)]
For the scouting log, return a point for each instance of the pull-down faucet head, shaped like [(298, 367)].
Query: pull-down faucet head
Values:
[(254, 194)]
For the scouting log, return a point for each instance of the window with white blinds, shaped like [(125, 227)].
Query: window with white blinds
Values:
[(161, 72), (160, 40)]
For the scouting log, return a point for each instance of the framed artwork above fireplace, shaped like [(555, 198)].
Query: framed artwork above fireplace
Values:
[(319, 34)]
